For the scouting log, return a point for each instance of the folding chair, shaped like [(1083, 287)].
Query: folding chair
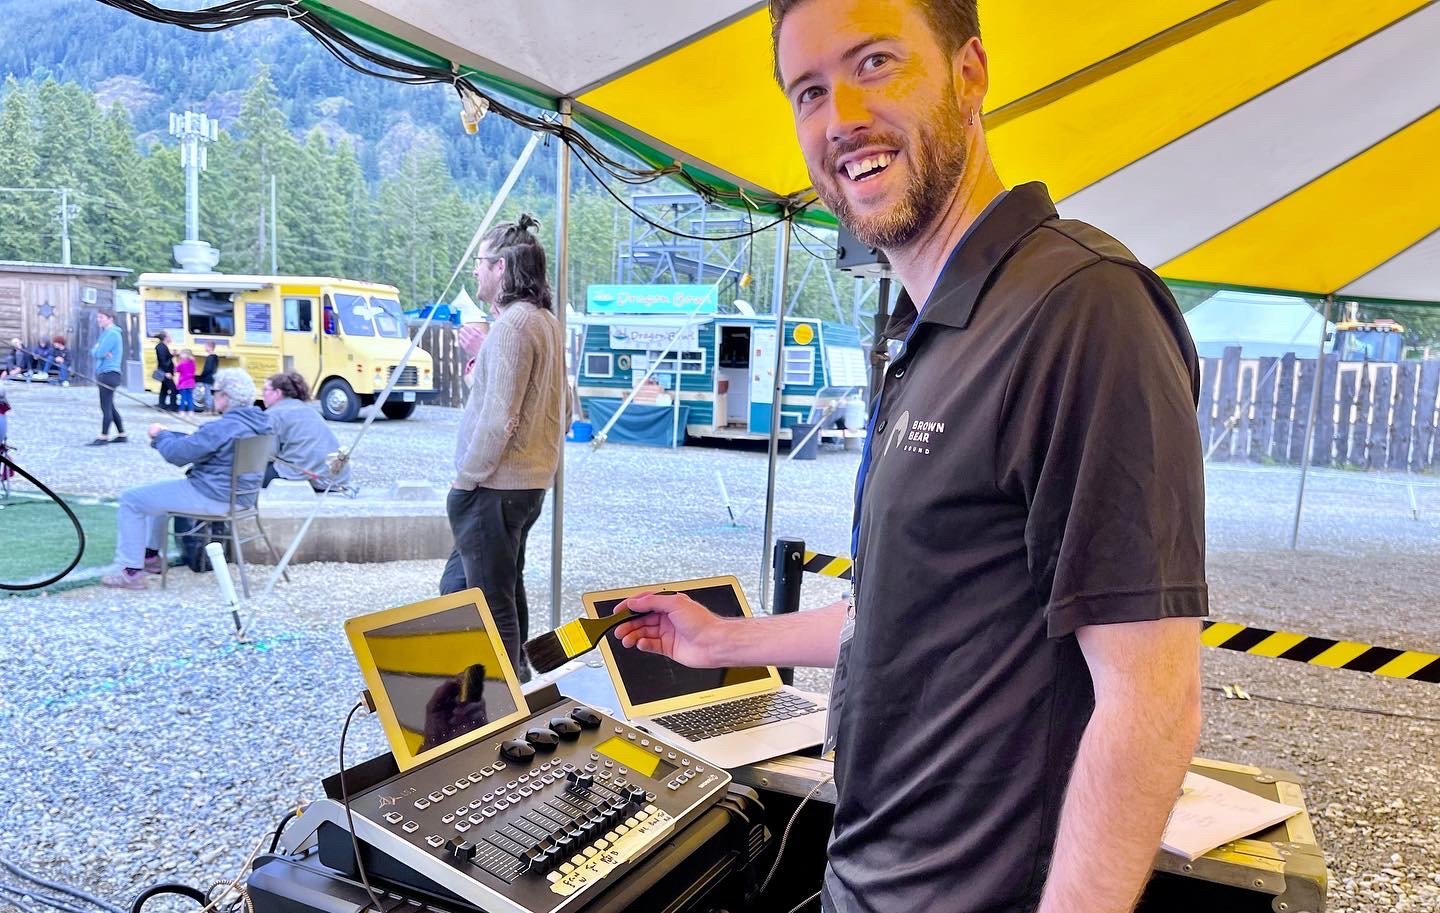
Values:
[(251, 456)]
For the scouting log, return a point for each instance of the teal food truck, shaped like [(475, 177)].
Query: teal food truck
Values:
[(671, 347)]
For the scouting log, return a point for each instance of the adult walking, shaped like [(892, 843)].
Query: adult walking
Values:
[(107, 351), (303, 439), (165, 373), (210, 453), (510, 435)]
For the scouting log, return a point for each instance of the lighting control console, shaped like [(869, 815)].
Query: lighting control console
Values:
[(539, 816)]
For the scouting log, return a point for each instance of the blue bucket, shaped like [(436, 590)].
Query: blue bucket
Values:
[(580, 432)]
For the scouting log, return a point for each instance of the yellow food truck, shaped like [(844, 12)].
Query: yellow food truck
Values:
[(343, 336)]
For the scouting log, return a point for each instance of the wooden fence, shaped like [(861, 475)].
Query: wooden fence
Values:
[(1370, 415), (439, 341)]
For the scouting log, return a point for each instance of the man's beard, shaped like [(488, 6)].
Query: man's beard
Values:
[(936, 161)]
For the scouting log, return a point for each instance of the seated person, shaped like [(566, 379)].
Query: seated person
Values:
[(59, 361), (17, 362), (303, 439), (210, 451)]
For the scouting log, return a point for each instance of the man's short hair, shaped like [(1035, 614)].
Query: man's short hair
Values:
[(105, 312), (953, 21), (236, 384)]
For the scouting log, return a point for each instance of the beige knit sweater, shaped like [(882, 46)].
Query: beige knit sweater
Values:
[(512, 429)]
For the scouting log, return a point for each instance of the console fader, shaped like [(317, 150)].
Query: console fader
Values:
[(538, 817)]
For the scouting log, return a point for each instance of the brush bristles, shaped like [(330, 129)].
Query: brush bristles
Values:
[(546, 653)]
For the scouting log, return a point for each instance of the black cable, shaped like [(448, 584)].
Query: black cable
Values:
[(349, 817), (750, 233), (831, 258), (155, 890), (77, 893), (74, 520), (23, 908), (53, 902), (279, 828), (785, 837)]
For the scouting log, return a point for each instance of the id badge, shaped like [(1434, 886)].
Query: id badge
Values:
[(837, 684)]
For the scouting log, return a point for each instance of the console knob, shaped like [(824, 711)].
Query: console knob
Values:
[(517, 751), (586, 717), (460, 849), (565, 728), (636, 794), (542, 738)]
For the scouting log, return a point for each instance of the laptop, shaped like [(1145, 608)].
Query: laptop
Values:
[(731, 717), (438, 673)]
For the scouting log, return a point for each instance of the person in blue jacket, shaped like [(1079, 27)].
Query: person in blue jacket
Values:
[(108, 351), (210, 451)]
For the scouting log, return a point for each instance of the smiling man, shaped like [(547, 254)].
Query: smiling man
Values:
[(1017, 679)]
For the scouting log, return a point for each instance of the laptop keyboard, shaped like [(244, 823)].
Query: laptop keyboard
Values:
[(732, 716)]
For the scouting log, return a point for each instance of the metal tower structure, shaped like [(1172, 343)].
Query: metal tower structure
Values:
[(195, 131)]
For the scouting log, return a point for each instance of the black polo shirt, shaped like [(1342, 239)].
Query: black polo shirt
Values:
[(1034, 467)]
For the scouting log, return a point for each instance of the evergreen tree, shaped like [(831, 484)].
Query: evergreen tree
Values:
[(315, 215), (266, 148), (22, 215), (70, 131), (128, 221)]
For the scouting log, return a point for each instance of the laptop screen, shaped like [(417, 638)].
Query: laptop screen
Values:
[(649, 677), (437, 675)]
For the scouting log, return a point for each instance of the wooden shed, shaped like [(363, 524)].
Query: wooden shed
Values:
[(40, 300)]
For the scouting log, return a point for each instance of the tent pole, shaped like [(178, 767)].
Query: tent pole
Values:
[(562, 304), (782, 269), (1310, 425)]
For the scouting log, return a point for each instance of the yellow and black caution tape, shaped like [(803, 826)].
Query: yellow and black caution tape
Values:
[(1322, 651), (828, 565), (1316, 651)]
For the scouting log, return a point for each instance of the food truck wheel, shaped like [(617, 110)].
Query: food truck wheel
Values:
[(395, 410), (338, 402)]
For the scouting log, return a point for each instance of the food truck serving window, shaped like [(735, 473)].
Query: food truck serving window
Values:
[(211, 313)]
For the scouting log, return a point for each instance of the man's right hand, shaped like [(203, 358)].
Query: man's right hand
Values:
[(676, 626), (472, 336)]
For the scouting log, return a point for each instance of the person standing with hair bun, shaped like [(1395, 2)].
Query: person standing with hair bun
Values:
[(508, 447), (303, 440)]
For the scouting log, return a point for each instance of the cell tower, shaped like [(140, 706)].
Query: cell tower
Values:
[(195, 131)]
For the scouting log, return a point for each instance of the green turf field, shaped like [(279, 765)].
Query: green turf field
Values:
[(37, 540)]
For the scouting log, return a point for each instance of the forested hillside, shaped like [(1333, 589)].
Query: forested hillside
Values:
[(375, 180)]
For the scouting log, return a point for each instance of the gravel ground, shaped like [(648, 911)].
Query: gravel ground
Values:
[(142, 744)]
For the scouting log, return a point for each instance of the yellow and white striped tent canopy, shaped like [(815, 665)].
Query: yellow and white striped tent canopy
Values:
[(1288, 145)]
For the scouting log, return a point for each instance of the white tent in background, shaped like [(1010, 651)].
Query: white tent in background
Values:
[(1260, 325), (467, 308)]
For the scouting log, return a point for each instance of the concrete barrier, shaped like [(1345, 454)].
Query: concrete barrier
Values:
[(405, 524)]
